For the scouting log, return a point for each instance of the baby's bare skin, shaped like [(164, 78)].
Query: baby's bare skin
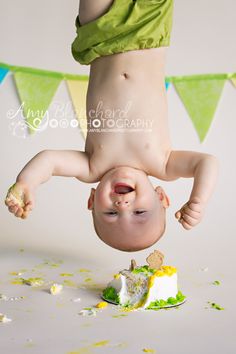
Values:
[(132, 83), (133, 79)]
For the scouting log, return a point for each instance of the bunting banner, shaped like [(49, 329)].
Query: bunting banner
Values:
[(234, 81), (167, 85), (200, 99), (200, 95), (36, 93), (3, 73), (78, 90)]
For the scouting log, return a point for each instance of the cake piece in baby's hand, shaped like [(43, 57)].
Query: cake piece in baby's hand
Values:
[(20, 200)]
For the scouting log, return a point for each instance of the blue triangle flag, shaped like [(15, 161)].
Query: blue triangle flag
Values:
[(3, 73), (167, 85)]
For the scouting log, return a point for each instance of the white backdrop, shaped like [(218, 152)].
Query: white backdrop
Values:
[(202, 42)]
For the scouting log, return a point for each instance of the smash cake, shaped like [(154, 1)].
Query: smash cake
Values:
[(150, 287)]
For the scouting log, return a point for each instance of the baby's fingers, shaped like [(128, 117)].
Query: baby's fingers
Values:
[(19, 212), (13, 208), (27, 209), (194, 206), (178, 215), (185, 225), (9, 201), (29, 206), (24, 215), (189, 220), (193, 214)]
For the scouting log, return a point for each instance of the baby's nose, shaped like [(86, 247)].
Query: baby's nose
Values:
[(122, 203)]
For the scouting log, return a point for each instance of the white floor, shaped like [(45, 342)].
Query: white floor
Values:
[(46, 324)]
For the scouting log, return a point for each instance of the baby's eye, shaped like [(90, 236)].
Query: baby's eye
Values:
[(110, 213), (138, 212)]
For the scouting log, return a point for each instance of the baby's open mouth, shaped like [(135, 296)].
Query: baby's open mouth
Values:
[(122, 188)]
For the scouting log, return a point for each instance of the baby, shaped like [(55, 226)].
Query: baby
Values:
[(125, 42)]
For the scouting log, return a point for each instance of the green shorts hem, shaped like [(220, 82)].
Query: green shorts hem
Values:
[(127, 25)]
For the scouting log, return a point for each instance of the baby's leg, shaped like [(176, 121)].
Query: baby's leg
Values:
[(90, 10)]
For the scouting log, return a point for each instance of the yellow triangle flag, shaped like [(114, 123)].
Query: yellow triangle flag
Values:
[(233, 79), (78, 91)]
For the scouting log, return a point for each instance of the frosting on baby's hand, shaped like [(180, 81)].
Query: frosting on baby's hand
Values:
[(15, 195)]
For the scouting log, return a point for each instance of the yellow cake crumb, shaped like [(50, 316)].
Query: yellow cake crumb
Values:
[(146, 350), (101, 344), (70, 283), (101, 305), (33, 281), (116, 276)]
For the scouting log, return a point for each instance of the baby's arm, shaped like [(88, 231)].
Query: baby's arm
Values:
[(48, 163), (204, 169)]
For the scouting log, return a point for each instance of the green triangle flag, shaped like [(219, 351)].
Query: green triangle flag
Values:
[(200, 98), (36, 92)]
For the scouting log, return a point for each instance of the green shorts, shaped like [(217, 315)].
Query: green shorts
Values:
[(127, 25)]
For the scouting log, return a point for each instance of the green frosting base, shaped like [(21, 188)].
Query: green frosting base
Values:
[(144, 269), (158, 304), (110, 294)]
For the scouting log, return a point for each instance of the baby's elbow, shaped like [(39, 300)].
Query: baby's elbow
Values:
[(213, 162)]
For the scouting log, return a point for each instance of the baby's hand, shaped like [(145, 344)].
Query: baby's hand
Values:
[(20, 200), (191, 213)]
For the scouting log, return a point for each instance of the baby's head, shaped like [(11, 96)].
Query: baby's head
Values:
[(128, 213)]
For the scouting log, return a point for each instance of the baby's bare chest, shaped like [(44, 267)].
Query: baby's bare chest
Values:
[(137, 149)]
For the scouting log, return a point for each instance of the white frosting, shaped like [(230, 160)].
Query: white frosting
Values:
[(131, 288), (163, 288)]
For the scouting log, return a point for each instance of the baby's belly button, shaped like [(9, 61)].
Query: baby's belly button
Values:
[(125, 75)]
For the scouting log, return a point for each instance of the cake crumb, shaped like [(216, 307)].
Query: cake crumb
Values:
[(4, 318), (3, 297), (102, 305), (77, 299), (216, 282), (204, 269), (32, 281), (56, 289), (88, 311), (146, 350), (101, 344), (215, 306)]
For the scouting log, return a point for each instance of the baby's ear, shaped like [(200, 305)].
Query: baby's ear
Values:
[(91, 199), (163, 197)]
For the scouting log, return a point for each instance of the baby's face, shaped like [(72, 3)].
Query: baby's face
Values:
[(128, 213)]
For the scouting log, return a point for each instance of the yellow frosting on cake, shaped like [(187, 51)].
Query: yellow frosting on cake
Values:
[(165, 270), (116, 276)]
